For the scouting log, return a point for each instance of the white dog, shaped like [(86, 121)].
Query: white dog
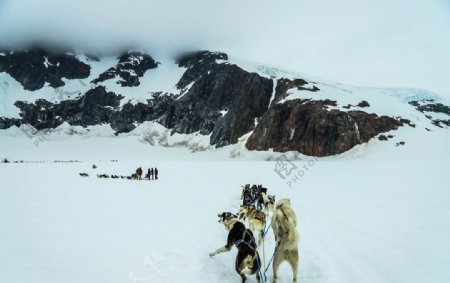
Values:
[(284, 223)]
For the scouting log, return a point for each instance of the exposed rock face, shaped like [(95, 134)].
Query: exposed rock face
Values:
[(36, 67), (197, 64), (362, 104), (439, 123), (131, 67), (283, 85), (96, 107), (382, 138), (6, 123), (93, 108), (307, 127), (431, 106), (370, 125), (123, 121), (216, 98), (222, 100), (400, 143)]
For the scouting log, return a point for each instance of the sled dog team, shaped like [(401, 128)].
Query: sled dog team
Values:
[(255, 208), (152, 174)]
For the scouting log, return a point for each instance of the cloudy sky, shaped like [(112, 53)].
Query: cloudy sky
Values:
[(399, 43)]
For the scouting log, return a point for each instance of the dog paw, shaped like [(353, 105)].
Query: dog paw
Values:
[(212, 254)]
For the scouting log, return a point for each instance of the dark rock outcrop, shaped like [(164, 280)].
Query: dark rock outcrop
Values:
[(93, 108), (406, 121), (96, 107), (370, 124), (307, 127), (6, 123), (400, 143), (197, 64), (382, 138), (432, 106), (363, 104), (131, 67), (222, 100), (37, 66), (124, 121), (439, 123), (283, 85)]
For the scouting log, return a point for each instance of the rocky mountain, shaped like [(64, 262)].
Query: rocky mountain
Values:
[(34, 68), (307, 127), (204, 93), (131, 66)]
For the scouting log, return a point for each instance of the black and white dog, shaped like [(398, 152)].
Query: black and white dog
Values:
[(247, 259)]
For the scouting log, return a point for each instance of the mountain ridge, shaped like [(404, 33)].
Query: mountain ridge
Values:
[(213, 96)]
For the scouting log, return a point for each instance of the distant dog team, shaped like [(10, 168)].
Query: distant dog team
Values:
[(152, 174)]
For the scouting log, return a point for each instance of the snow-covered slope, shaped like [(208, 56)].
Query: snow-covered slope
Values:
[(162, 79), (185, 84)]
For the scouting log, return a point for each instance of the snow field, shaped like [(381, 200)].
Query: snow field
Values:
[(359, 221)]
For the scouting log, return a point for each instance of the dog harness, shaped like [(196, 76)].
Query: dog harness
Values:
[(242, 240), (256, 255), (248, 200)]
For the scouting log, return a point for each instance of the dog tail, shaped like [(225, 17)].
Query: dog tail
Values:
[(286, 222), (249, 264)]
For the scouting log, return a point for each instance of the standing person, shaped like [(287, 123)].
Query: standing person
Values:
[(156, 173), (148, 174), (139, 173), (151, 173)]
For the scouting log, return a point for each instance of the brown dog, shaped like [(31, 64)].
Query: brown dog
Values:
[(256, 219)]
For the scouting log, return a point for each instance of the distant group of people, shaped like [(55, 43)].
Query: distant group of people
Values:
[(152, 174)]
